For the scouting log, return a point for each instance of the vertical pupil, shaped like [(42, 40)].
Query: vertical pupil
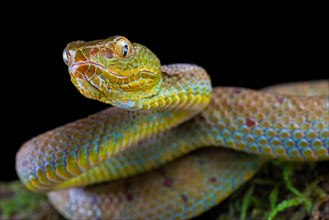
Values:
[(125, 50)]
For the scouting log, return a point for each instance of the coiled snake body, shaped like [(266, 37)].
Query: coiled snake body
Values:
[(164, 113)]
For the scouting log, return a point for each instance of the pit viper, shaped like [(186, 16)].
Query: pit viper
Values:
[(172, 146)]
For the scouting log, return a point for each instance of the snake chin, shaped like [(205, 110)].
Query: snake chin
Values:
[(126, 105)]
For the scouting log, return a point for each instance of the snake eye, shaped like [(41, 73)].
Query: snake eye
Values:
[(124, 48), (65, 58)]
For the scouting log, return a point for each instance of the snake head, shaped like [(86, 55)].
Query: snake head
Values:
[(113, 71)]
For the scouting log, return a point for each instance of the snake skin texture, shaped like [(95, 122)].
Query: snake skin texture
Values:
[(164, 123), (167, 193)]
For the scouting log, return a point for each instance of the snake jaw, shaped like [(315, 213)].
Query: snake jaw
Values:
[(89, 85)]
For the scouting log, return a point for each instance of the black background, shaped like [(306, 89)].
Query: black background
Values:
[(240, 48)]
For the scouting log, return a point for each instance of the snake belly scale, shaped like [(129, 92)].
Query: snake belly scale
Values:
[(164, 126)]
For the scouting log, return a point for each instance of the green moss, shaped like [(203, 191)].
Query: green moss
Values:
[(18, 203), (281, 190)]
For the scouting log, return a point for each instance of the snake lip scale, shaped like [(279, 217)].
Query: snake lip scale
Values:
[(166, 124)]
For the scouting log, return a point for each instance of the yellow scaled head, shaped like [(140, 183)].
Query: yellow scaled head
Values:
[(113, 71)]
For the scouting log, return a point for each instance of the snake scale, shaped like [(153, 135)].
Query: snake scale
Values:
[(169, 115)]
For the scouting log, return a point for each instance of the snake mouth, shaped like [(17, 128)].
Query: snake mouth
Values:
[(101, 67), (76, 66), (84, 70)]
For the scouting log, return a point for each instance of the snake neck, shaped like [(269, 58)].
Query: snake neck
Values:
[(184, 87)]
